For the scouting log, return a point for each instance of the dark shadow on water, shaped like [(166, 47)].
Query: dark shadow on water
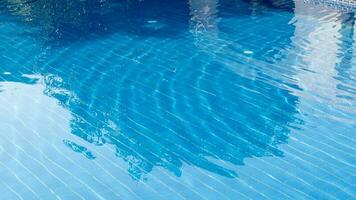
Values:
[(151, 128), (166, 110)]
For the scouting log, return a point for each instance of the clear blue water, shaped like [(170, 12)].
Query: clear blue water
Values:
[(155, 99)]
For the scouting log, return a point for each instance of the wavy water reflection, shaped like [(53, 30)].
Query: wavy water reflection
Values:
[(204, 84), (163, 112)]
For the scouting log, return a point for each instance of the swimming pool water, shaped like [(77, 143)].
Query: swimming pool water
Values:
[(198, 99)]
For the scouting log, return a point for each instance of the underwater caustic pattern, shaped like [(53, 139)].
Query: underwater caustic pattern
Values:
[(198, 99)]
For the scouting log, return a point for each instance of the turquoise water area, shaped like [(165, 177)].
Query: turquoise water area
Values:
[(178, 99)]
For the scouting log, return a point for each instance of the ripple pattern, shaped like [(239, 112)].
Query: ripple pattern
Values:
[(205, 100)]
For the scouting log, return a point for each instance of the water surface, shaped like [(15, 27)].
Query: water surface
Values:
[(199, 99)]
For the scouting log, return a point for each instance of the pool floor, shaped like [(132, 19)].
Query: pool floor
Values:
[(158, 100)]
